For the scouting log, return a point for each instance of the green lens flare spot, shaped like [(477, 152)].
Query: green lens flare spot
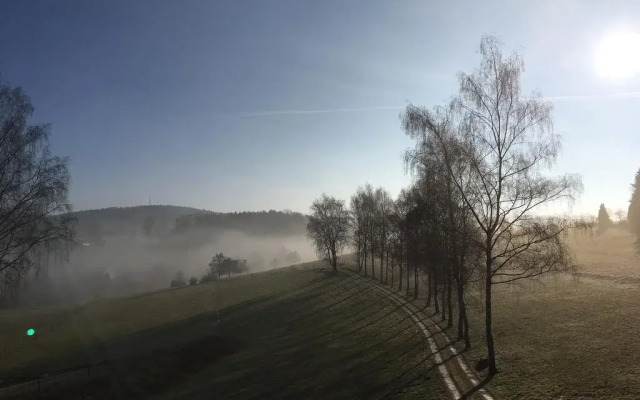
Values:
[(31, 332)]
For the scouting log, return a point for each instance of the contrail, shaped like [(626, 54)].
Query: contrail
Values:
[(320, 111), (623, 95), (578, 97)]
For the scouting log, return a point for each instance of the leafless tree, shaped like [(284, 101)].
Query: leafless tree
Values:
[(363, 225), (328, 227), (358, 240), (434, 160), (34, 187), (399, 227), (506, 141), (382, 215)]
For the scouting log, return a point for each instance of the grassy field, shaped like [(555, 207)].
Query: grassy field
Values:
[(562, 338), (568, 337), (60, 331), (302, 333), (610, 254), (299, 333), (565, 339)]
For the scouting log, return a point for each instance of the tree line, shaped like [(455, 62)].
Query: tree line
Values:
[(632, 220), (261, 223), (472, 216)]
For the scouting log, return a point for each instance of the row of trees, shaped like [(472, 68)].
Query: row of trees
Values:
[(471, 216), (222, 265), (219, 266)]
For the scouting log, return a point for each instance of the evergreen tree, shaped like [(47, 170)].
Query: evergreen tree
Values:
[(633, 215), (604, 221)]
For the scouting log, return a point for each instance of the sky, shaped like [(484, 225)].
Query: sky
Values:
[(252, 105)]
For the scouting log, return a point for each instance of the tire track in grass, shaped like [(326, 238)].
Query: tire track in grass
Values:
[(449, 378)]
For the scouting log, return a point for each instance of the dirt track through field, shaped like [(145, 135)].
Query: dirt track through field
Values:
[(459, 378)]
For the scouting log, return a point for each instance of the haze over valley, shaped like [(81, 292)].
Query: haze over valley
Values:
[(125, 250)]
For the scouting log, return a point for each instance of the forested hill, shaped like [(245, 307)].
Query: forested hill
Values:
[(128, 221), (164, 220), (263, 223)]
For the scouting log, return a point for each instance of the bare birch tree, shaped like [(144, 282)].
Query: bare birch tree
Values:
[(507, 141), (34, 188), (328, 227)]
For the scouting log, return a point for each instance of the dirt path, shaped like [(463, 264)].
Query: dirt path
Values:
[(458, 376)]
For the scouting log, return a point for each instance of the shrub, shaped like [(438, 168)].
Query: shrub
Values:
[(209, 277), (193, 281), (178, 280)]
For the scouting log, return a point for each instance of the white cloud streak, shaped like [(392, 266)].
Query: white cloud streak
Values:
[(318, 111), (604, 96), (579, 97)]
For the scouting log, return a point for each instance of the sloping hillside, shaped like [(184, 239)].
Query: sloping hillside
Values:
[(291, 334)]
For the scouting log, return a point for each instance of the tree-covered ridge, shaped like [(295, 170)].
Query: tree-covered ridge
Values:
[(154, 220), (249, 222), (166, 220)]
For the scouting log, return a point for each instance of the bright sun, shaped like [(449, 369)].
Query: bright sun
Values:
[(617, 56)]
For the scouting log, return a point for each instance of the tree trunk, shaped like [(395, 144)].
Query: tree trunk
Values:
[(381, 266), (429, 279), (450, 323), (364, 258), (373, 265), (435, 293), (334, 260), (391, 273), (467, 340), (415, 282), (461, 310), (400, 268), (407, 294), (444, 305), (386, 277), (488, 327)]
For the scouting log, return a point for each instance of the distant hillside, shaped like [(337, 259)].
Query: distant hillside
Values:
[(262, 223), (94, 225), (162, 221)]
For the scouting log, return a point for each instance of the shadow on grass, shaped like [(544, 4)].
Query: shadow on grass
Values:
[(298, 343), (410, 375), (102, 352), (475, 389)]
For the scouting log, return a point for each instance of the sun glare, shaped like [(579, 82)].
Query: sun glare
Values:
[(617, 56)]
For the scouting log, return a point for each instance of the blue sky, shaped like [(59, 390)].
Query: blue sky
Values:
[(249, 105)]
